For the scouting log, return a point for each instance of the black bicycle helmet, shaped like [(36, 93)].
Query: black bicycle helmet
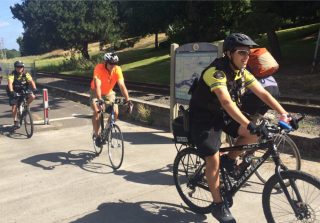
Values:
[(111, 58), (237, 39), (18, 63)]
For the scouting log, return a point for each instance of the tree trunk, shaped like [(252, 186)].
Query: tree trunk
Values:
[(274, 45), (84, 50), (156, 42)]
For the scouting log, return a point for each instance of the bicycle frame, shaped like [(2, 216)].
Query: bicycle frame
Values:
[(270, 151), (22, 103), (109, 123)]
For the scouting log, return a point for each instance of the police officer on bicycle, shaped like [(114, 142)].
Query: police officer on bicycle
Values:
[(214, 107), (18, 80)]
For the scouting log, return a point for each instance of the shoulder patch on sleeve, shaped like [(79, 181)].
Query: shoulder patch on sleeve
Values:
[(219, 75)]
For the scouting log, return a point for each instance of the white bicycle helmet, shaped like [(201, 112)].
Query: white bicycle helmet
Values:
[(111, 58)]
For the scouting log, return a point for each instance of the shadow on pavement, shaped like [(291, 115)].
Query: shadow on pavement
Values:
[(145, 211), (139, 138), (161, 176), (11, 132), (80, 158)]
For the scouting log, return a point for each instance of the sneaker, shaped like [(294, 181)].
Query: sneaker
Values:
[(98, 141), (17, 124), (222, 213)]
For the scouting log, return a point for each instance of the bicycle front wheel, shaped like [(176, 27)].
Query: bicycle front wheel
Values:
[(27, 122), (289, 155), (189, 178), (115, 146), (303, 203)]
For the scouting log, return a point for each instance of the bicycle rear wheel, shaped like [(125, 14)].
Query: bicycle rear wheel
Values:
[(27, 122), (289, 155), (304, 194), (115, 146), (189, 178)]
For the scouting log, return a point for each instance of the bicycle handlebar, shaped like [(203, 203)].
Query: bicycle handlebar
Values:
[(118, 101), (281, 126)]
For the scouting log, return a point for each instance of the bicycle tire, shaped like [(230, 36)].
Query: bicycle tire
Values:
[(27, 122), (115, 146), (276, 206), (289, 155), (186, 164)]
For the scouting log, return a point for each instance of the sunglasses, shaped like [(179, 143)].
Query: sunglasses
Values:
[(243, 52), (19, 67)]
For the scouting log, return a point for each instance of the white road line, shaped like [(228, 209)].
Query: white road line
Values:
[(63, 118)]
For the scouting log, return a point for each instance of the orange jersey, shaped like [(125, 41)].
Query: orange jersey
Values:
[(108, 80)]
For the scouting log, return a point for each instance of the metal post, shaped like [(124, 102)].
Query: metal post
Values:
[(45, 106), (173, 107)]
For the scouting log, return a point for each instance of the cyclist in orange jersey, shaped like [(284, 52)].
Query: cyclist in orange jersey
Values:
[(105, 76)]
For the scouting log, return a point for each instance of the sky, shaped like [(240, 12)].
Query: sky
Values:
[(10, 29)]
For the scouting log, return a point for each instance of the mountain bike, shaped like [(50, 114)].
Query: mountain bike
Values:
[(110, 134), (24, 113), (288, 196), (287, 150)]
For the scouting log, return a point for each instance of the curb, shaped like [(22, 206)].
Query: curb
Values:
[(157, 115)]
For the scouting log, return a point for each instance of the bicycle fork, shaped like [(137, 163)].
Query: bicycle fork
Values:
[(295, 205)]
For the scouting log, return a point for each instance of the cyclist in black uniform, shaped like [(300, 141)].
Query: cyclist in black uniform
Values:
[(214, 107), (19, 79)]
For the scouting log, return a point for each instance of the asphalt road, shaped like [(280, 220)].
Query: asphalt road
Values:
[(54, 177)]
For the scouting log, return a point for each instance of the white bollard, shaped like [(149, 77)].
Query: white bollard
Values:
[(45, 106)]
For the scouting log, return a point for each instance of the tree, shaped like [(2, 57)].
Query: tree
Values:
[(12, 53), (206, 20), (269, 16), (140, 18), (66, 24)]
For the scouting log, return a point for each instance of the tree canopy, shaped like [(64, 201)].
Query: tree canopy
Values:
[(73, 24), (65, 24)]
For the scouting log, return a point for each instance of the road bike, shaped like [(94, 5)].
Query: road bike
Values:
[(288, 195), (110, 134), (23, 112), (287, 150)]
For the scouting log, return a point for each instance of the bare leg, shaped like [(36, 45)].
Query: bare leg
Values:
[(212, 175), (14, 112), (31, 97), (95, 118), (244, 138)]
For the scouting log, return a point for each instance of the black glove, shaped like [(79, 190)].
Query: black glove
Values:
[(294, 123), (35, 91), (129, 105), (257, 130), (12, 94)]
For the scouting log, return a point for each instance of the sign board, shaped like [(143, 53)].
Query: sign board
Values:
[(190, 60)]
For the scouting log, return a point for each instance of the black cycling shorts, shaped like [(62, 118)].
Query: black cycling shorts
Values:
[(207, 139)]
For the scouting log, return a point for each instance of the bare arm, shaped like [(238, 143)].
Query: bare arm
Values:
[(123, 89), (267, 98), (33, 84), (10, 82), (97, 83), (230, 107)]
